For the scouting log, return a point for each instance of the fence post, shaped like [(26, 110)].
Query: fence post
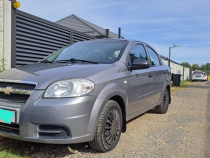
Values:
[(183, 73), (13, 35), (190, 74)]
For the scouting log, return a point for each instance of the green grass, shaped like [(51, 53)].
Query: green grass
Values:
[(9, 154), (11, 149), (183, 85)]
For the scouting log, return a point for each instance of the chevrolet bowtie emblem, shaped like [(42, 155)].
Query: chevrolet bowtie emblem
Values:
[(7, 90)]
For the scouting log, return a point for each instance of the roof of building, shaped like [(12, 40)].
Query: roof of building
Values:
[(79, 24)]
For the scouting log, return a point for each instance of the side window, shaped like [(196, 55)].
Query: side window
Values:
[(138, 52), (153, 56)]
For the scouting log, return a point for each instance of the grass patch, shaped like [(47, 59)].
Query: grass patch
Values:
[(11, 149), (183, 85), (9, 154)]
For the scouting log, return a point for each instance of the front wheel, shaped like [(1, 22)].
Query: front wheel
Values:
[(109, 127), (163, 107)]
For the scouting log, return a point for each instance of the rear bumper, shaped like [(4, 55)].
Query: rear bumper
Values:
[(71, 114), (199, 79)]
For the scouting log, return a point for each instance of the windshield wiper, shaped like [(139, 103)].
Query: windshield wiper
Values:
[(73, 60), (46, 61)]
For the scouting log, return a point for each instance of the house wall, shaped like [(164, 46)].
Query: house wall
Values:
[(179, 69), (1, 27), (5, 32)]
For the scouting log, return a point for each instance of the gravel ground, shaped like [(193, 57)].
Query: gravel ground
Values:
[(183, 132)]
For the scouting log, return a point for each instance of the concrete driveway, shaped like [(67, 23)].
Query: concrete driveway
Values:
[(183, 132)]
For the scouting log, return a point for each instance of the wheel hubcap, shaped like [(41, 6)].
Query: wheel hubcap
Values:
[(112, 126)]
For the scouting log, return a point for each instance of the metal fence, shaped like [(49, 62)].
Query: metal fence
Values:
[(37, 38)]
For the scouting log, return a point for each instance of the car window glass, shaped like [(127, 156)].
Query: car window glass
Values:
[(100, 52), (138, 52), (153, 56), (198, 73)]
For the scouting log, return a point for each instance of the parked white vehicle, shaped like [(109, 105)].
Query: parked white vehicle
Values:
[(199, 76)]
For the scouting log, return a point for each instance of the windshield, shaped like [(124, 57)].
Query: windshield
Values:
[(99, 52)]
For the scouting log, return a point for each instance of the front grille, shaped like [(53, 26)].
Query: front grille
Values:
[(15, 92), (17, 85), (14, 97), (13, 128)]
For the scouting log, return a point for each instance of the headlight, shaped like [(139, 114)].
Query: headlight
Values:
[(69, 88)]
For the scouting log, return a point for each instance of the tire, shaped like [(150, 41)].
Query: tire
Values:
[(109, 122), (163, 107)]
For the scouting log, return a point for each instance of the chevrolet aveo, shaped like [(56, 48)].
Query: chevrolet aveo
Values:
[(85, 92)]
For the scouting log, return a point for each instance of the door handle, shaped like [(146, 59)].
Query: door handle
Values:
[(164, 73), (150, 76)]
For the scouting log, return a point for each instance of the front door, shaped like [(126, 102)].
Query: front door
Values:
[(140, 83)]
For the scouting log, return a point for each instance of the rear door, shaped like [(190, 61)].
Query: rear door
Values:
[(160, 74)]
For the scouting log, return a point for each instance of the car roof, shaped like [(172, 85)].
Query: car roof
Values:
[(117, 39)]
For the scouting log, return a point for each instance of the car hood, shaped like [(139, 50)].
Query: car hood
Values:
[(45, 73)]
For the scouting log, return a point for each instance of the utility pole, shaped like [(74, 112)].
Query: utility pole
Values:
[(169, 59)]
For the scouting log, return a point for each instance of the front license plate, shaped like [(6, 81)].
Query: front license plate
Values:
[(7, 116)]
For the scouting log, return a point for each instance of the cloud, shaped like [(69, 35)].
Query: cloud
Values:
[(161, 22)]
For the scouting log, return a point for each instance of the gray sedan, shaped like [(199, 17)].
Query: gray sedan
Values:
[(85, 92)]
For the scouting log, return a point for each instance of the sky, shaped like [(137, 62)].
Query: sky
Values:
[(160, 23)]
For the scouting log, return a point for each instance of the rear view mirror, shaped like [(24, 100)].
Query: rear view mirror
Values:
[(139, 64)]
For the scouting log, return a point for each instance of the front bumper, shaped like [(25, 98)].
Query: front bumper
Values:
[(72, 114)]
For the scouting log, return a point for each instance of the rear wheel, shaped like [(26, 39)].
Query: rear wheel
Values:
[(163, 107), (109, 127)]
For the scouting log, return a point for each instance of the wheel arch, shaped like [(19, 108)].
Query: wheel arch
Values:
[(112, 91), (121, 102)]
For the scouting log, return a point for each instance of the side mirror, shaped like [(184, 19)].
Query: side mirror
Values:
[(139, 64)]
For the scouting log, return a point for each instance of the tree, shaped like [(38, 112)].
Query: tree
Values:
[(203, 67), (206, 68), (186, 64), (195, 67)]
